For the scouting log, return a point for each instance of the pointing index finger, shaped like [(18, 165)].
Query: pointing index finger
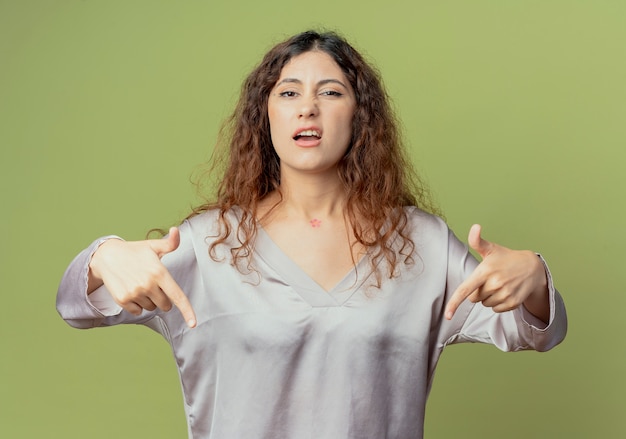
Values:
[(179, 299), (463, 291)]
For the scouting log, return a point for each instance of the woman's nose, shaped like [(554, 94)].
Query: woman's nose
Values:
[(308, 108)]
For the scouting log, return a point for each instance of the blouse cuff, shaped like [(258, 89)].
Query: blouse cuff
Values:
[(527, 316), (100, 299)]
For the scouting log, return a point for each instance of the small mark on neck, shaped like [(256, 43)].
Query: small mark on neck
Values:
[(315, 223)]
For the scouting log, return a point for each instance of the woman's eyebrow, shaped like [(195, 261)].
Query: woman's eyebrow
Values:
[(322, 82), (332, 81)]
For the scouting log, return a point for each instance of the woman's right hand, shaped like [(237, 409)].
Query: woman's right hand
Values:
[(134, 275)]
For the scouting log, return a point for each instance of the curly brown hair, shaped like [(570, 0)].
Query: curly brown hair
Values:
[(378, 178)]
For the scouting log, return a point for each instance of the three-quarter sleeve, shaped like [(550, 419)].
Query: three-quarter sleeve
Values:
[(513, 330), (73, 303), (82, 310)]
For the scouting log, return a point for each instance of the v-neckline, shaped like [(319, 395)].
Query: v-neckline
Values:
[(301, 282)]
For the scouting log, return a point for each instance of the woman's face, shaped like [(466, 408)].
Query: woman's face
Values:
[(310, 111)]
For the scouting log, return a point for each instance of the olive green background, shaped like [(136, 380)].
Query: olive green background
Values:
[(515, 112)]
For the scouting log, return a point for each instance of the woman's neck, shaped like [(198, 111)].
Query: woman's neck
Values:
[(312, 198)]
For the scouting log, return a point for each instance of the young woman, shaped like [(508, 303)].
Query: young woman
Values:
[(314, 296)]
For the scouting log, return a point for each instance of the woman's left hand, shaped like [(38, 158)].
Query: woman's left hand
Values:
[(504, 280)]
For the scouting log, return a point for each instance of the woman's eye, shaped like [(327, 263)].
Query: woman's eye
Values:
[(331, 93), (287, 94)]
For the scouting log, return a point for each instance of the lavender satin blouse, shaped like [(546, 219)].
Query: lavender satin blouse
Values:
[(276, 356)]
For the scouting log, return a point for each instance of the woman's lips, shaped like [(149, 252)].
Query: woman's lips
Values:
[(307, 141), (308, 137)]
